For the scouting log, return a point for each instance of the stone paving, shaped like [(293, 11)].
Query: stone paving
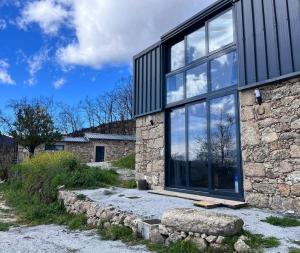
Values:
[(150, 206)]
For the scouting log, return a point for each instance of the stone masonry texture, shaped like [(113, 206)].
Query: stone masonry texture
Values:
[(149, 149), (270, 138)]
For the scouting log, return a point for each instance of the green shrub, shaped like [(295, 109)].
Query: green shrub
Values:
[(127, 162), (282, 221), (177, 247), (129, 184), (294, 250), (41, 175)]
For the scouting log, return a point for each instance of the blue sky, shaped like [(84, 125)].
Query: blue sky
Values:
[(69, 49)]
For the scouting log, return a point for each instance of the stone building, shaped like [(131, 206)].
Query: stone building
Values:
[(8, 154), (217, 105), (94, 147)]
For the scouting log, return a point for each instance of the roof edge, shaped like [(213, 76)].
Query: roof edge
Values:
[(196, 18)]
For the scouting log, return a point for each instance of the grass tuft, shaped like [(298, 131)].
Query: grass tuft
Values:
[(117, 232), (77, 222), (129, 184), (127, 162), (294, 250), (282, 221), (4, 226)]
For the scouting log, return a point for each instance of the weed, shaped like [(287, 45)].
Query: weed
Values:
[(282, 221), (117, 232), (4, 226), (127, 162), (77, 222), (129, 184), (81, 197), (294, 250), (177, 247)]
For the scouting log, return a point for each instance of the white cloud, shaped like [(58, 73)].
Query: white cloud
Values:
[(47, 13), (108, 31), (5, 78), (35, 64), (59, 83), (2, 24)]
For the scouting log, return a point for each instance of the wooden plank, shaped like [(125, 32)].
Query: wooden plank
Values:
[(225, 202), (206, 204)]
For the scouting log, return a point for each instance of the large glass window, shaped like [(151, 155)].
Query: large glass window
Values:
[(196, 47), (175, 89), (220, 31), (224, 71), (177, 56), (177, 147), (196, 81), (198, 145), (223, 144)]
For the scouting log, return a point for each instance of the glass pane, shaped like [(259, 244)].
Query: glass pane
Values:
[(223, 144), (224, 71), (178, 154), (196, 45), (198, 147), (175, 89), (220, 31), (177, 56), (196, 81)]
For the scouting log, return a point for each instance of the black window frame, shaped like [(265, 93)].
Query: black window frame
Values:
[(53, 147), (206, 97)]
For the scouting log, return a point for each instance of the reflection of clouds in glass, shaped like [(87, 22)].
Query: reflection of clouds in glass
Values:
[(177, 55), (221, 31), (175, 89), (196, 81), (196, 45), (224, 71), (197, 130), (178, 134)]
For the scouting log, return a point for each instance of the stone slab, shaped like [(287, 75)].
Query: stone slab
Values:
[(202, 222), (206, 204)]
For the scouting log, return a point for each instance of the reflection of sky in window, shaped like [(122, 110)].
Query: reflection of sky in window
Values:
[(177, 55), (196, 45), (196, 81), (178, 134), (221, 109), (220, 31), (175, 90), (224, 71), (197, 130)]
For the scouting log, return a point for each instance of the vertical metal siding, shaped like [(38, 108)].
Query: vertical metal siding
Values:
[(268, 39), (284, 41), (294, 15), (147, 81)]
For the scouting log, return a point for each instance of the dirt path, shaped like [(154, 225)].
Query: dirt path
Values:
[(6, 213)]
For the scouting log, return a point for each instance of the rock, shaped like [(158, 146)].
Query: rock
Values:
[(211, 238), (106, 224), (295, 190), (163, 230), (183, 234), (200, 243), (200, 221), (241, 247), (203, 236), (197, 235), (217, 248), (174, 237), (156, 237), (220, 239)]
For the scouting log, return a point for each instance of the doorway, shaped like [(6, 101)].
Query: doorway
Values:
[(100, 151)]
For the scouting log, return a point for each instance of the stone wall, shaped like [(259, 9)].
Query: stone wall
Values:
[(86, 151), (270, 137), (206, 229), (149, 150)]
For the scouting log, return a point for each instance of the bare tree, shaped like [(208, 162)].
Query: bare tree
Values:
[(89, 110), (69, 118)]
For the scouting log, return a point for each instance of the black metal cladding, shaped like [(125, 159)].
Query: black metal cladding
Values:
[(268, 39), (268, 42), (147, 81)]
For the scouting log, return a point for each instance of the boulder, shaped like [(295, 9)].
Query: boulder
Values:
[(241, 247), (200, 242), (203, 222)]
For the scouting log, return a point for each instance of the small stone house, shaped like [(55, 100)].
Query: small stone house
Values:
[(94, 147), (8, 154), (217, 105)]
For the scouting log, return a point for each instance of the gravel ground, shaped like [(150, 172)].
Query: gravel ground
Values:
[(58, 239), (149, 205)]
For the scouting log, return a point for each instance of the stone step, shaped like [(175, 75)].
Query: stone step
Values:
[(206, 204)]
